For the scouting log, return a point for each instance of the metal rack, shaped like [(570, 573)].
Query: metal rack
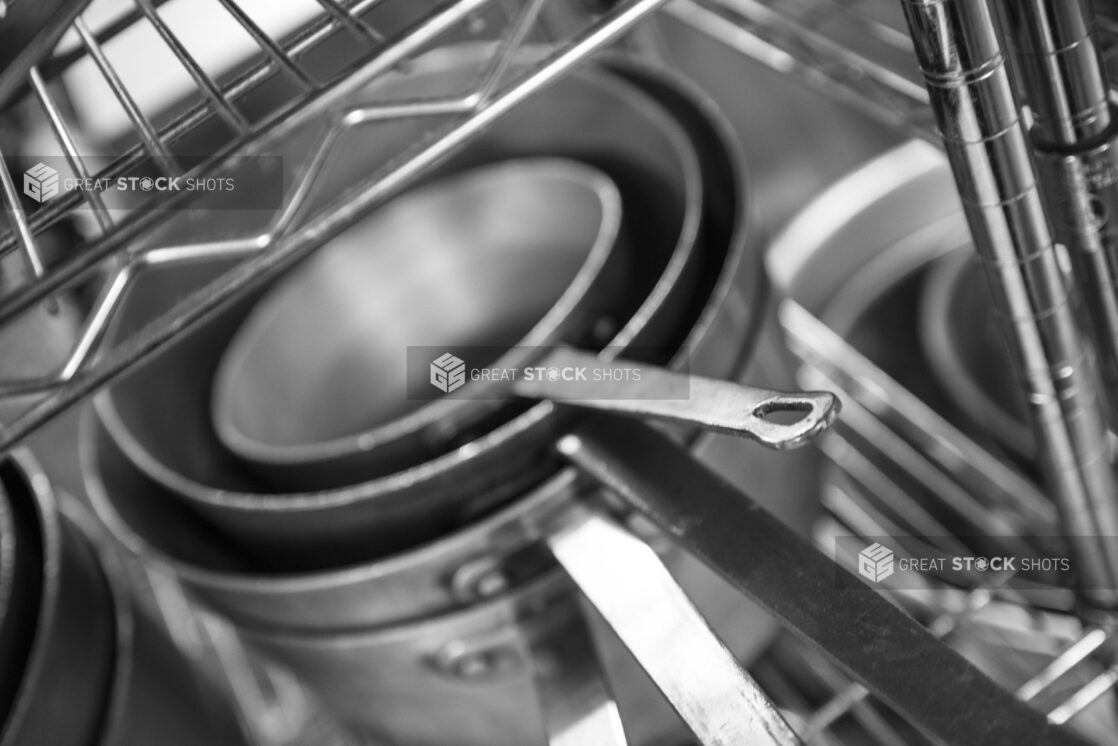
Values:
[(969, 481), (111, 253), (859, 51)]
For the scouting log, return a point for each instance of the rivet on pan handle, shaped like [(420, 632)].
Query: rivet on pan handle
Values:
[(660, 394)]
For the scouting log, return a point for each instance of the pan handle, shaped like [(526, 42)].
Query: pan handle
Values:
[(574, 696), (631, 588), (626, 581), (857, 629), (650, 392)]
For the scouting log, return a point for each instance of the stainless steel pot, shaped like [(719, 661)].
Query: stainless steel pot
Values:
[(63, 683), (467, 677), (92, 668), (160, 417), (157, 693)]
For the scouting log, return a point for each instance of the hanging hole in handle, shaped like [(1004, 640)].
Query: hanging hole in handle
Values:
[(783, 412), (792, 420)]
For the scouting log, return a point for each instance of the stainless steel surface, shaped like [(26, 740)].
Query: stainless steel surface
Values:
[(663, 395), (156, 693), (907, 431), (310, 417), (970, 93), (882, 222), (717, 699), (28, 32), (463, 677), (728, 316), (1058, 50), (859, 630), (896, 212), (891, 448), (498, 95), (63, 686), (9, 643), (20, 576), (641, 149), (574, 694)]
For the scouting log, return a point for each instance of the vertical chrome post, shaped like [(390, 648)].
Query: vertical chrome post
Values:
[(965, 73), (1055, 50)]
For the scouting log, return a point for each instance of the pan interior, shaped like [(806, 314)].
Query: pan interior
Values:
[(474, 261)]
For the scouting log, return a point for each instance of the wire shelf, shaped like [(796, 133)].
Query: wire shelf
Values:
[(378, 37), (862, 499), (858, 50)]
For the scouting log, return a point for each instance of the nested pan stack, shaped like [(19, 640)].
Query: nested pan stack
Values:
[(409, 588)]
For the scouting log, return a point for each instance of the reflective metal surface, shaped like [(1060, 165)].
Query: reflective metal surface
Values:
[(665, 396), (287, 602), (293, 397), (698, 675), (763, 558), (649, 159), (63, 685), (428, 602), (970, 91)]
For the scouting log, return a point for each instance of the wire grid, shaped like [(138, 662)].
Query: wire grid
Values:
[(568, 31), (861, 46), (860, 52), (886, 440)]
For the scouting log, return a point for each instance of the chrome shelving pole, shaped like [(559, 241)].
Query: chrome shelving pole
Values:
[(1056, 48), (968, 84)]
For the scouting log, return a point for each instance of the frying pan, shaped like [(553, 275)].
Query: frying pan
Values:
[(313, 388), (432, 579), (61, 695), (144, 513), (160, 418)]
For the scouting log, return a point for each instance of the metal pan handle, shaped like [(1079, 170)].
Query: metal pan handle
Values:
[(626, 581), (669, 396), (860, 631), (574, 695), (631, 588)]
